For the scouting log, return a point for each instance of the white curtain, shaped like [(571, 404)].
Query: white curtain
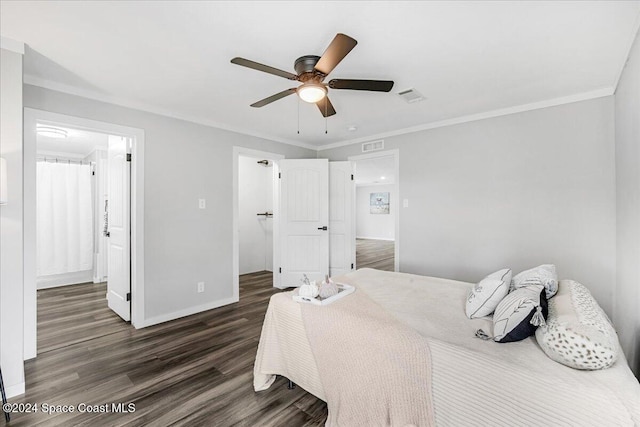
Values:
[(64, 218)]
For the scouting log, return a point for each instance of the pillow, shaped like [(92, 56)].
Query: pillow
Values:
[(485, 295), (544, 275), (578, 333), (519, 314)]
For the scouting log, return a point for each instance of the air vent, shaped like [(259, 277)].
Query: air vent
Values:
[(411, 95), (372, 146)]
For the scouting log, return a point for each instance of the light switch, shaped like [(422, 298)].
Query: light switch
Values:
[(202, 203), (405, 203)]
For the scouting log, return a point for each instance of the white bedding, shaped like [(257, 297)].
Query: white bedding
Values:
[(475, 382)]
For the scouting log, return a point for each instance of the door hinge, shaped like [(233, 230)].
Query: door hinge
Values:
[(280, 270), (128, 157), (128, 296), (352, 266), (351, 177), (279, 174)]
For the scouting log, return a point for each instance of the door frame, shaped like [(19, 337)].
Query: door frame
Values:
[(274, 157), (396, 155), (31, 118)]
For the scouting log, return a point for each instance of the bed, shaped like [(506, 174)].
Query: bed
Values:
[(469, 381)]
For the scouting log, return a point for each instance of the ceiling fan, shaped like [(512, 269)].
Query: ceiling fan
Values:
[(312, 70)]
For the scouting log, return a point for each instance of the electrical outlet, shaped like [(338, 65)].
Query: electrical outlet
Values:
[(202, 203), (200, 287), (405, 203)]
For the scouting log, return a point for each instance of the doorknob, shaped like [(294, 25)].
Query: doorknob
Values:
[(323, 228)]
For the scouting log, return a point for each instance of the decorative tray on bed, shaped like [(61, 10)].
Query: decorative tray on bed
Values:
[(343, 291)]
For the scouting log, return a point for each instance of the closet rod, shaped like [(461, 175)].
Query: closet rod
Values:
[(61, 160)]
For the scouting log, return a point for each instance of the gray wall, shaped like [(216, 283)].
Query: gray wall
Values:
[(183, 163), (512, 191), (627, 295), (11, 260), (375, 226)]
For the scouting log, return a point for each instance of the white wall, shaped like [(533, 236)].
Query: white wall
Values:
[(183, 163), (255, 194), (627, 296), (375, 226), (512, 191), (11, 225)]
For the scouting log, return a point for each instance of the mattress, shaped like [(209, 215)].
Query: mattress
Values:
[(474, 382)]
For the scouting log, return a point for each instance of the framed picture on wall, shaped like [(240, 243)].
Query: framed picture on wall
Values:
[(379, 203)]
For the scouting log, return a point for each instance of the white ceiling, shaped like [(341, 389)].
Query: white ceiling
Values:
[(77, 144), (466, 58), (378, 170)]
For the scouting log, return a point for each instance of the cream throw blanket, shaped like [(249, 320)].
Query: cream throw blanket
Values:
[(375, 370)]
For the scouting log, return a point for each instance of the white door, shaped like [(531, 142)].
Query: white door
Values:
[(303, 226), (119, 267), (342, 242)]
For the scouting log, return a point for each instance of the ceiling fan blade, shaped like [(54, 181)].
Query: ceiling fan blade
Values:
[(272, 98), (337, 50), (325, 106), (265, 68), (372, 85)]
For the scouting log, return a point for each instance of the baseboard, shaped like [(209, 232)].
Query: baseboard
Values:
[(184, 313), (376, 238), (64, 279), (14, 390)]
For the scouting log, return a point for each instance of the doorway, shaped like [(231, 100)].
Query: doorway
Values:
[(71, 191), (131, 139), (377, 213), (254, 208)]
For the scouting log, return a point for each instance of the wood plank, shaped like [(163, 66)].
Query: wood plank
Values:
[(197, 370)]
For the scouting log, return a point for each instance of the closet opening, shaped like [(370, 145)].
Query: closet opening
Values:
[(255, 207)]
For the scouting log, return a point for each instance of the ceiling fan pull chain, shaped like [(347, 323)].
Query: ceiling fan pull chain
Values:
[(298, 116), (326, 103)]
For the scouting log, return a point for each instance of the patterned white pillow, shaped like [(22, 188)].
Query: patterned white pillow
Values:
[(485, 296), (544, 275), (519, 314), (578, 333)]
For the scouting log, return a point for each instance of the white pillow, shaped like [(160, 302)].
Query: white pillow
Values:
[(544, 275), (485, 295), (519, 314), (578, 333)]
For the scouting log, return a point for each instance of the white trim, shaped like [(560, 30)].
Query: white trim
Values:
[(628, 50), (396, 188), (12, 45), (64, 279), (375, 238), (15, 390), (59, 87), (186, 312), (479, 116), (31, 117), (237, 152)]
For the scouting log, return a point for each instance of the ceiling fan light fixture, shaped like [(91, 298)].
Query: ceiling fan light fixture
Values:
[(312, 92)]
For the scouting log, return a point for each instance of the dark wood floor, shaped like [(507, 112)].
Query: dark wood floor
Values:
[(194, 371), (378, 254)]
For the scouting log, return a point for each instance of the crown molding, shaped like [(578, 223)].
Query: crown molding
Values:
[(12, 45), (96, 96), (630, 42), (59, 87), (599, 93)]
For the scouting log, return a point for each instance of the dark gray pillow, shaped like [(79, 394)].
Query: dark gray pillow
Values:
[(519, 314)]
